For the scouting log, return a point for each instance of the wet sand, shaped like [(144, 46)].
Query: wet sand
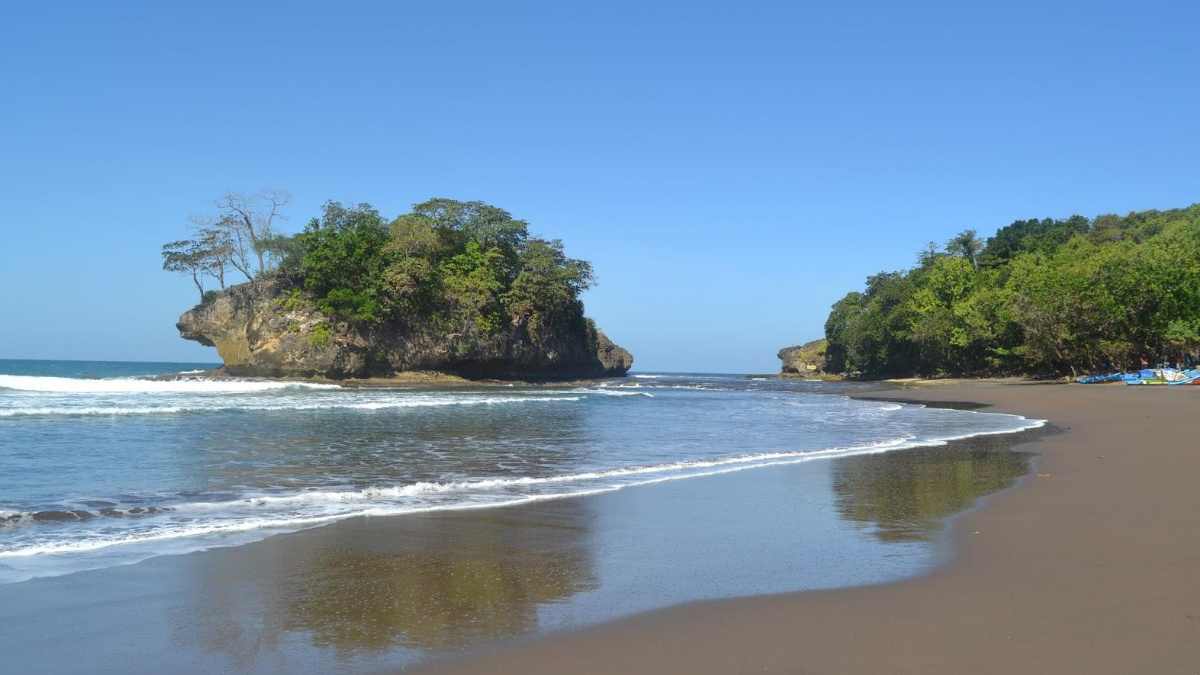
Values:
[(1091, 565)]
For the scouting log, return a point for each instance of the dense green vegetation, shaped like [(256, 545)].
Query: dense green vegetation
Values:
[(1041, 296), (465, 268)]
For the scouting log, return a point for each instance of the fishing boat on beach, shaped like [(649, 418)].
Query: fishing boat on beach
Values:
[(1146, 376), (1100, 379), (1169, 376)]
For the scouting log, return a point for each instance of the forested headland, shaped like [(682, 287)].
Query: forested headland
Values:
[(455, 285), (1040, 297)]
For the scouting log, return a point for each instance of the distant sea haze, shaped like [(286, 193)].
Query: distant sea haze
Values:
[(100, 466)]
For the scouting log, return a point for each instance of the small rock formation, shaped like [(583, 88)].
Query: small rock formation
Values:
[(259, 329), (805, 359)]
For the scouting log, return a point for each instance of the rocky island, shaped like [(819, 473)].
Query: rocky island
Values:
[(453, 287)]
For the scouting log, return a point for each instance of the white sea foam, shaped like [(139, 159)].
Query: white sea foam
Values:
[(90, 410), (191, 524), (71, 385), (12, 518), (423, 488), (219, 405), (402, 499), (604, 391), (382, 501)]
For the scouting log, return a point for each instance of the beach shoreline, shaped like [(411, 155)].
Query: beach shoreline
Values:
[(1087, 565), (373, 593)]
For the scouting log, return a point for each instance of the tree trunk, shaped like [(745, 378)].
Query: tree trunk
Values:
[(199, 286)]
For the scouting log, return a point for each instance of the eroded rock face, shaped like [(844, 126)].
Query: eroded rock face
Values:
[(808, 358), (259, 330)]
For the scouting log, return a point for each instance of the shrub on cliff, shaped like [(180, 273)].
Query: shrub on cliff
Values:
[(468, 267)]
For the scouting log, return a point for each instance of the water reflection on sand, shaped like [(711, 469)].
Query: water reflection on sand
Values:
[(376, 594), (425, 582), (906, 496), (436, 582)]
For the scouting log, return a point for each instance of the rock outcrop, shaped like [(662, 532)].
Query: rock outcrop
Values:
[(805, 359), (260, 329)]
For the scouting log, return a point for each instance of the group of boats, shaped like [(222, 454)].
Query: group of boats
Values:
[(1147, 376)]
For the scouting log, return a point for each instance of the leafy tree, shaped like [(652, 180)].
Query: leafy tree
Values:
[(928, 255), (1043, 296), (186, 256), (341, 266), (473, 281), (547, 287), (214, 248), (966, 244), (459, 222), (837, 328), (1183, 335)]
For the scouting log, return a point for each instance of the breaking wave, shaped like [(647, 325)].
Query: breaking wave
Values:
[(217, 406), (242, 467), (71, 385), (269, 514)]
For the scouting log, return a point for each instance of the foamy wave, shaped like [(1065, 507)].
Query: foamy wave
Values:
[(421, 403), (91, 411), (603, 391), (424, 488), (70, 385), (414, 402), (65, 515), (14, 518), (382, 501), (200, 531), (651, 385), (194, 525)]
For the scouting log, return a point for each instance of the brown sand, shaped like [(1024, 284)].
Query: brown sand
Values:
[(1092, 565)]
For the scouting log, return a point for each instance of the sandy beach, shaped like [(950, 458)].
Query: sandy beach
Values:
[(1091, 565), (1067, 549)]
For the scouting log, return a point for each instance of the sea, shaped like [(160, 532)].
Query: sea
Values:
[(106, 464)]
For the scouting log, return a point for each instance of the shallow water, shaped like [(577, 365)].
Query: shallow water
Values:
[(99, 467), (377, 594)]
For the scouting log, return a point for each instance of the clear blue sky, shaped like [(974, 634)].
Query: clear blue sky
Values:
[(731, 169)]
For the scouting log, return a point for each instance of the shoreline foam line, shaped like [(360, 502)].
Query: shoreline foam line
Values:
[(718, 467), (128, 385), (94, 411)]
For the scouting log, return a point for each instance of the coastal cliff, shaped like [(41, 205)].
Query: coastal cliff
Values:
[(262, 328), (805, 359)]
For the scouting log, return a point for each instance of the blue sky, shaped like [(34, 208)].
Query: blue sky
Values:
[(731, 169)]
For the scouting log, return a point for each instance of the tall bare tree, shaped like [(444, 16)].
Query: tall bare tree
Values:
[(250, 221)]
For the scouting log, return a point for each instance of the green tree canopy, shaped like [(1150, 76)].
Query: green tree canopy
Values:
[(1044, 296)]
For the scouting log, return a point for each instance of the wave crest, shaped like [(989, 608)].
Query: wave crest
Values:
[(72, 385)]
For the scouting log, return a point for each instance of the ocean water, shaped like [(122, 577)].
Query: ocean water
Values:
[(101, 466)]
